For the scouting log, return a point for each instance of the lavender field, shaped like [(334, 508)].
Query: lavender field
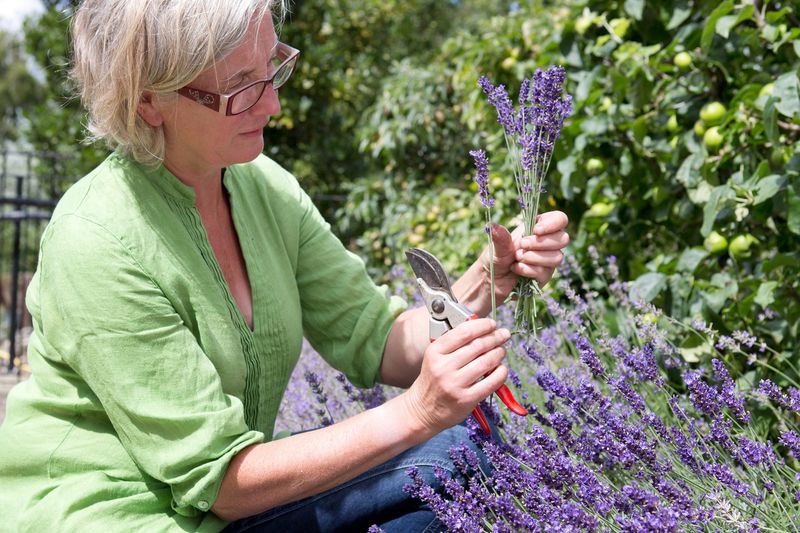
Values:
[(625, 431)]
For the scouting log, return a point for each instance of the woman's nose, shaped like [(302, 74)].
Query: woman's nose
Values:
[(269, 103)]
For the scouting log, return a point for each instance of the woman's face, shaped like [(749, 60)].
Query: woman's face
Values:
[(199, 140)]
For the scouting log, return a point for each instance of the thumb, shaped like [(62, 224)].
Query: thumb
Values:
[(504, 248)]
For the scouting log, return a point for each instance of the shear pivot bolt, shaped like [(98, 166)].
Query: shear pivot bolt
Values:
[(437, 306)]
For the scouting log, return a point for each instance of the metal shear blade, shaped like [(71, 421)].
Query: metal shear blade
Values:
[(429, 269)]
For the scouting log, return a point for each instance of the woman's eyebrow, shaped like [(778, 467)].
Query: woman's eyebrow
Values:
[(241, 74)]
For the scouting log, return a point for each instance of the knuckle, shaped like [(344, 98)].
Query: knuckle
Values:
[(485, 365)]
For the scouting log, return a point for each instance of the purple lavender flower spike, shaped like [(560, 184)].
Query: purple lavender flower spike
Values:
[(588, 356), (791, 440), (728, 395), (790, 401), (702, 395), (482, 177), (498, 98), (524, 91)]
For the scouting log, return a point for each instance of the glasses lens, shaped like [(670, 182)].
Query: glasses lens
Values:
[(282, 75), (241, 102), (282, 65)]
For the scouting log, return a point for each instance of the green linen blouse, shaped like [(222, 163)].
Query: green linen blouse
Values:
[(146, 379)]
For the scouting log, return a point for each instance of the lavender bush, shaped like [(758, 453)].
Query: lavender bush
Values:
[(624, 434), (530, 132)]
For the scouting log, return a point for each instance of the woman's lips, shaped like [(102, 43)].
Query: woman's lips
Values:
[(257, 131)]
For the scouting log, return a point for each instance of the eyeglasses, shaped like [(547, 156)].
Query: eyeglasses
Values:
[(282, 65)]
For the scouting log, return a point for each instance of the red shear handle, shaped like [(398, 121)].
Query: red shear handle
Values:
[(505, 394), (481, 418)]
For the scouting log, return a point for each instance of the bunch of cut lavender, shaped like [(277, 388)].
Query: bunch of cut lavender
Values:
[(530, 131), (613, 445)]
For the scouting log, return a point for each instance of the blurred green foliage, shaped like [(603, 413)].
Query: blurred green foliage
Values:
[(19, 89), (57, 122), (700, 204)]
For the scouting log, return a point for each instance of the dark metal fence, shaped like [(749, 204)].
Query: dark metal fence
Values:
[(30, 185)]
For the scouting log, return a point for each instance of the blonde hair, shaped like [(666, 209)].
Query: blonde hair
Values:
[(122, 48)]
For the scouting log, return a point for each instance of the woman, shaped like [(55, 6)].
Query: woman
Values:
[(175, 283)]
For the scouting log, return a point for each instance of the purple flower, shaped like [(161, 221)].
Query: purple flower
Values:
[(588, 356), (728, 395), (482, 177), (791, 440), (702, 395), (790, 401), (451, 515), (498, 98), (633, 398), (756, 453), (723, 474), (643, 363)]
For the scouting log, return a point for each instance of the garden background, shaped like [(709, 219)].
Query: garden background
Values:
[(680, 161)]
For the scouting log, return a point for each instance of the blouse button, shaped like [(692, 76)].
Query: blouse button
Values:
[(203, 505)]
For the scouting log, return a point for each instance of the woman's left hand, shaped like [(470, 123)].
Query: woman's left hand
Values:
[(535, 256)]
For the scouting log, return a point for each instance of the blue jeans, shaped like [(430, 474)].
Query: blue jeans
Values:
[(374, 497)]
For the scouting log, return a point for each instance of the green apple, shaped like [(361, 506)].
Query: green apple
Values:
[(699, 128), (715, 243), (740, 246), (713, 113), (600, 209), (767, 89), (712, 138), (682, 60), (672, 123), (594, 166)]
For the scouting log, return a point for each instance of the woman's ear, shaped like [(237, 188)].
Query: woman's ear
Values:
[(148, 110)]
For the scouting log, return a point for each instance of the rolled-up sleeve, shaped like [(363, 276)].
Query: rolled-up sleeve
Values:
[(107, 319), (346, 317)]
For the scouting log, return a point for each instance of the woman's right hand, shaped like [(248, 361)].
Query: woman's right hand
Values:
[(449, 385)]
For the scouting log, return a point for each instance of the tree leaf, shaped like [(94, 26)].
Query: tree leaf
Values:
[(647, 286), (693, 349), (727, 23), (765, 295), (723, 288), (793, 206), (771, 119), (711, 24), (566, 167), (690, 258), (788, 94), (634, 8), (768, 187), (689, 171), (712, 208), (679, 15)]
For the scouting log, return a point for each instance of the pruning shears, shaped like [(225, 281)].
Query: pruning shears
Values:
[(446, 313)]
